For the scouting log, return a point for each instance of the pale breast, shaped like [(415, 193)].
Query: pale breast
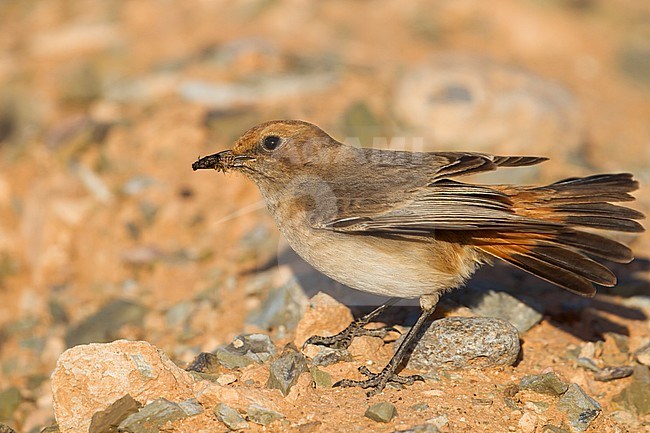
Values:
[(383, 266)]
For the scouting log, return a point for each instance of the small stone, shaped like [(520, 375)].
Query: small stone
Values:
[(322, 379), (286, 369), (261, 415), (552, 429), (613, 373), (581, 409), (465, 342), (9, 401), (423, 428), (419, 407), (381, 412), (246, 349), (153, 416), (325, 316), (309, 427), (282, 309), (102, 326), (230, 417), (328, 356), (587, 364), (614, 350), (643, 355), (505, 306), (635, 397), (528, 422), (4, 428), (54, 428), (106, 421), (205, 362), (548, 383), (226, 379)]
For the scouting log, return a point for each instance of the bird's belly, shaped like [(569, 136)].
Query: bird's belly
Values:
[(388, 267)]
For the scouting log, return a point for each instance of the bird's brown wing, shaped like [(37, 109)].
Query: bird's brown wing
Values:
[(442, 205), (420, 197)]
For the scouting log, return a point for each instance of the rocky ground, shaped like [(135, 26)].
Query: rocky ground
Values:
[(119, 266)]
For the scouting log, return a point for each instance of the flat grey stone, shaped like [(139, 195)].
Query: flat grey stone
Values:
[(230, 417), (286, 369), (107, 420), (322, 379), (612, 373), (547, 383), (154, 415), (261, 415), (381, 412), (424, 428), (465, 342), (246, 349), (581, 409)]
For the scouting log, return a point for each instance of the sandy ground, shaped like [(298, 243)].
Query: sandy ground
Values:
[(105, 105)]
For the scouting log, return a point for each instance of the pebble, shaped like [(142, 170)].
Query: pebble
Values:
[(614, 350), (465, 342), (504, 306), (9, 401), (153, 416), (528, 422), (328, 356), (230, 417), (643, 355), (548, 383), (106, 421), (205, 362), (322, 379), (286, 369), (422, 428), (102, 326), (246, 349), (635, 397), (381, 412), (552, 429), (261, 415), (613, 373), (54, 428), (282, 309), (226, 379), (581, 409), (4, 428)]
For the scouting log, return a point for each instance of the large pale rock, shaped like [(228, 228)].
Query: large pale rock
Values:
[(89, 378)]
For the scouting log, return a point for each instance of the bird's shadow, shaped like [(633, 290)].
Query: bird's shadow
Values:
[(585, 318)]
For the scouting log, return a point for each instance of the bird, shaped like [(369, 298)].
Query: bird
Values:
[(405, 225)]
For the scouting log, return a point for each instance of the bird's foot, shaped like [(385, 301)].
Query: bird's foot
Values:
[(378, 381), (343, 339)]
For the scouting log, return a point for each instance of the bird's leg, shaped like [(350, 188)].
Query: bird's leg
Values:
[(377, 381), (343, 339)]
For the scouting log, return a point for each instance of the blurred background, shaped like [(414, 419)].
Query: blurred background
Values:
[(105, 231)]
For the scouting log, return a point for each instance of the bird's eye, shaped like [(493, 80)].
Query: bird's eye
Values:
[(271, 142)]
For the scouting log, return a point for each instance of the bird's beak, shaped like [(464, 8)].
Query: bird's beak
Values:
[(222, 161)]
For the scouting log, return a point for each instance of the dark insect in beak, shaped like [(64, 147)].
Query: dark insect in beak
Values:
[(222, 161)]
